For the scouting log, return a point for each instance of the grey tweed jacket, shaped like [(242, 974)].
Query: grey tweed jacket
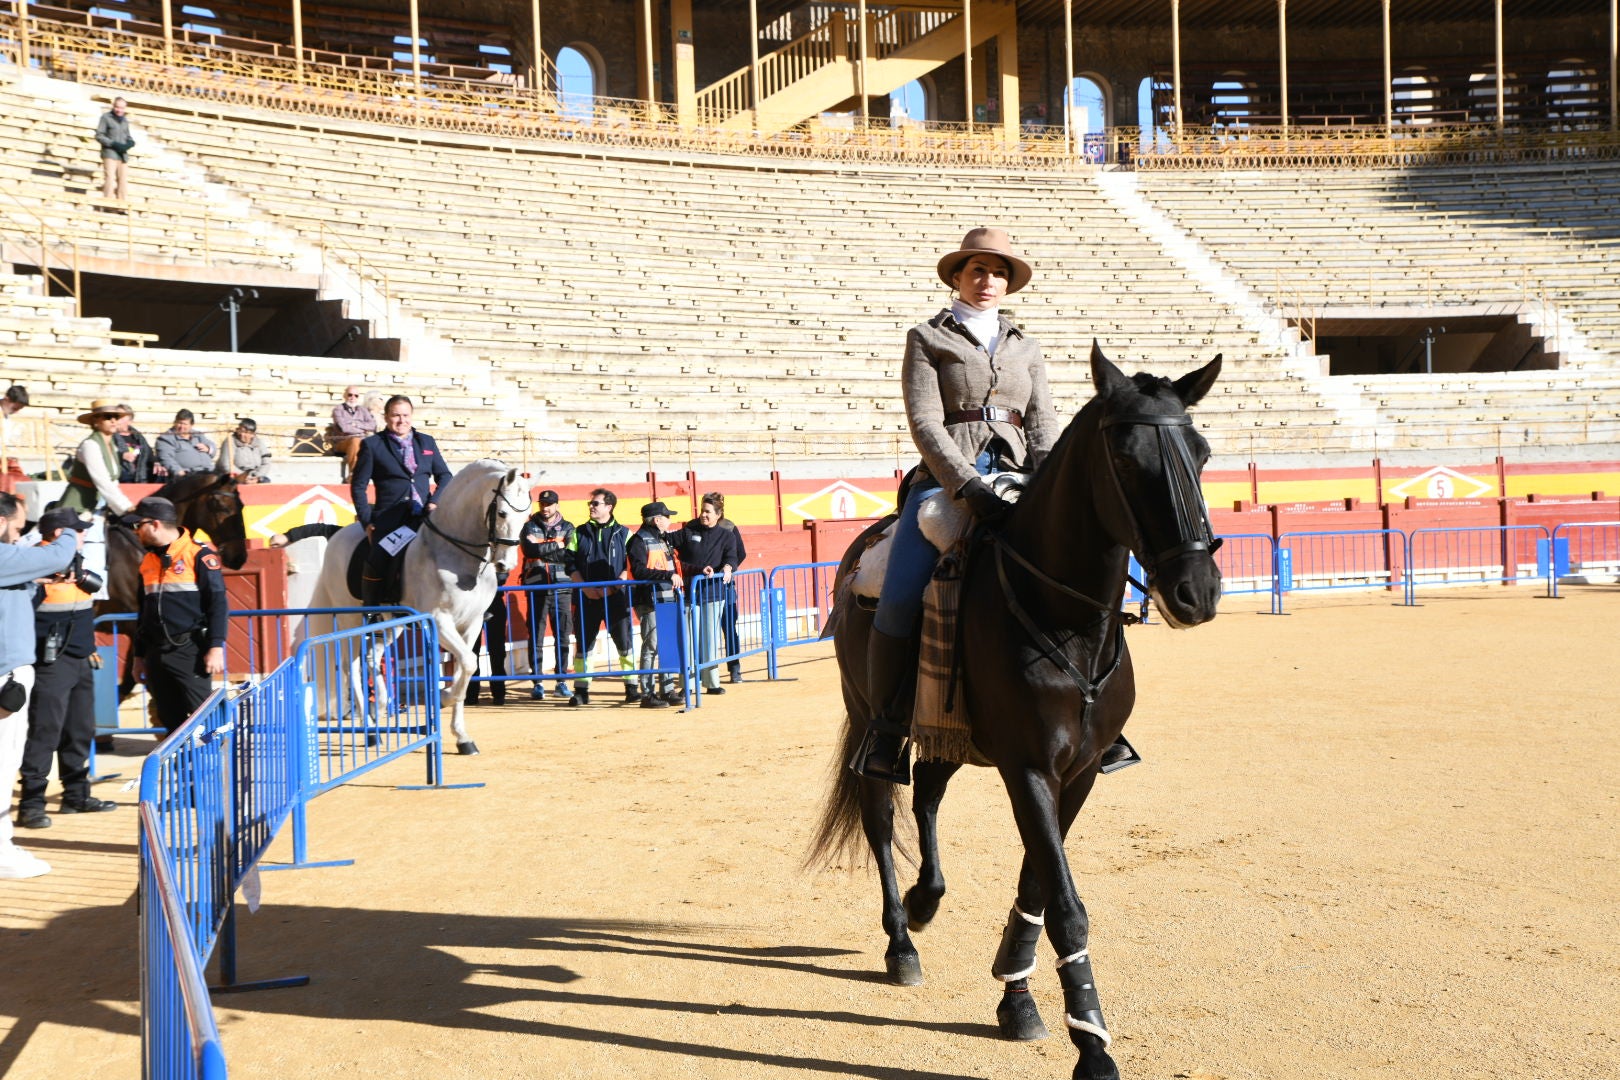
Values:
[(946, 371)]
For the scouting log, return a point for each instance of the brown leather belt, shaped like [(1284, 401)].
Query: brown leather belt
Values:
[(987, 414)]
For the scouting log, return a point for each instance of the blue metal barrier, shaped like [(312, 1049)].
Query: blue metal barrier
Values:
[(726, 621), (1248, 566), (1592, 547), (1348, 559), (798, 600), (617, 601), (179, 1038), (1470, 555)]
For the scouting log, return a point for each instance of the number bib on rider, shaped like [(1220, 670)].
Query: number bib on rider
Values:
[(395, 541)]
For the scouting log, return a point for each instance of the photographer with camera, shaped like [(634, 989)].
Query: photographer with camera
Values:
[(19, 567), (112, 132), (180, 632), (62, 718)]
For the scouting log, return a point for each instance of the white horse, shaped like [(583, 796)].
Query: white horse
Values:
[(452, 569)]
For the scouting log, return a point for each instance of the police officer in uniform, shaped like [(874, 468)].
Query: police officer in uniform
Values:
[(549, 547), (62, 719), (180, 632), (408, 470)]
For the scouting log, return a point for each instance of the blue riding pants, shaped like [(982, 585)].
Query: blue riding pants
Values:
[(911, 564)]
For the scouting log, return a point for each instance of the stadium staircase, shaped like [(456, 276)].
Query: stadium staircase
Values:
[(820, 69)]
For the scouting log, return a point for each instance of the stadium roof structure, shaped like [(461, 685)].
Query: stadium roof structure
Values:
[(1210, 14)]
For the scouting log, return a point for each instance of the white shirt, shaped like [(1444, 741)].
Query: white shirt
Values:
[(985, 326)]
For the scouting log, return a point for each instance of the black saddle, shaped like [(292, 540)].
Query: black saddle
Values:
[(393, 577)]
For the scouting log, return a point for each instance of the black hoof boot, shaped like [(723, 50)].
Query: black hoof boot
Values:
[(921, 907), (466, 747), (1018, 1018), (904, 969), (883, 755)]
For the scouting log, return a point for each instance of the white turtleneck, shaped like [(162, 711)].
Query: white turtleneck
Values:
[(985, 326)]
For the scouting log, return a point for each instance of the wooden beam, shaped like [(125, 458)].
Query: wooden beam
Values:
[(1175, 60), (860, 66), (967, 59), (1389, 78), (535, 54), (298, 37), (753, 52), (168, 32), (1282, 58), (416, 47), (1068, 76), (1501, 76), (649, 91)]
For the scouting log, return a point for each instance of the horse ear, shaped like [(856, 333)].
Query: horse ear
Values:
[(1104, 375), (1192, 387)]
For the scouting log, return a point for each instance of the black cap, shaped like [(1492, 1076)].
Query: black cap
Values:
[(655, 509), (62, 517), (155, 507), (549, 498)]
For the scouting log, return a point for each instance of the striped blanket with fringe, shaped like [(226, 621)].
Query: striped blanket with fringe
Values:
[(939, 720)]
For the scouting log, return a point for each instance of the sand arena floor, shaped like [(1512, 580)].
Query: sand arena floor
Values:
[(1368, 841)]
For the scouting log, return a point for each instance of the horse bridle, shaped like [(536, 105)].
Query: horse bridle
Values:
[(483, 552), (1193, 529)]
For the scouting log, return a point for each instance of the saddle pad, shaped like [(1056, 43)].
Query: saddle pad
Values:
[(394, 576), (940, 725)]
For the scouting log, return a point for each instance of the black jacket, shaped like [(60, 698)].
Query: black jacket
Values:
[(699, 546), (381, 461), (138, 470), (601, 555)]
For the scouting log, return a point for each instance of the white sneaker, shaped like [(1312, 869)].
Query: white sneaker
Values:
[(17, 863)]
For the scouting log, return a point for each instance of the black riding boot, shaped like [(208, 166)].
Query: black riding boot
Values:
[(371, 597), (891, 671)]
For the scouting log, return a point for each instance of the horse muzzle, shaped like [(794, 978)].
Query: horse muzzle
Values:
[(1187, 589)]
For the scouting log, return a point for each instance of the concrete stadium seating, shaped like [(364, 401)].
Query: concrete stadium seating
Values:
[(578, 300)]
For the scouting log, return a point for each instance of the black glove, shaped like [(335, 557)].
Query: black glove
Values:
[(987, 506)]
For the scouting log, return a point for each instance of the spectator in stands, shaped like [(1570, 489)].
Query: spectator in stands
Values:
[(550, 545), (62, 714), (352, 422), (709, 545), (652, 559), (977, 400), (244, 455), (11, 433), (182, 451), (19, 567), (179, 641), (112, 132), (135, 463), (602, 557), (408, 470), (93, 476)]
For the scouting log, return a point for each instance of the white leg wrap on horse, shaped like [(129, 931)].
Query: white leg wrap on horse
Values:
[(1015, 959), (1083, 954), (1038, 920), (1093, 1029)]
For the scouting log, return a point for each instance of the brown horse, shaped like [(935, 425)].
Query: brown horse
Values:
[(1045, 675), (208, 502)]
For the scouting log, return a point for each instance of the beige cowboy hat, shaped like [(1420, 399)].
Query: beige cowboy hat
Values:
[(987, 241), (103, 407)]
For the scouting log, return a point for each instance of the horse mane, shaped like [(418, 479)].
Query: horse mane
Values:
[(468, 492), (184, 488)]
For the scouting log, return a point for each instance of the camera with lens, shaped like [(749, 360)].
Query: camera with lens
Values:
[(82, 576)]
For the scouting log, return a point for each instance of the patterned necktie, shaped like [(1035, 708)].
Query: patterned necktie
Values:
[(408, 445)]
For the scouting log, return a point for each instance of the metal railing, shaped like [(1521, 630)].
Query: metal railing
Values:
[(1582, 549)]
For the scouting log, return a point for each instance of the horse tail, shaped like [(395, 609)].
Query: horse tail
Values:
[(840, 839)]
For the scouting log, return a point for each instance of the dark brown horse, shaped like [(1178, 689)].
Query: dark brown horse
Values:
[(1045, 676), (204, 501)]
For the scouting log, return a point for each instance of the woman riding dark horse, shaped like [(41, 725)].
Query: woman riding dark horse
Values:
[(1043, 675), (978, 404)]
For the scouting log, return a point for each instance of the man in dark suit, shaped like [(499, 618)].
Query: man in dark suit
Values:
[(408, 471)]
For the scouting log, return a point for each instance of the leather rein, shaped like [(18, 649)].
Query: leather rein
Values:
[(483, 553)]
